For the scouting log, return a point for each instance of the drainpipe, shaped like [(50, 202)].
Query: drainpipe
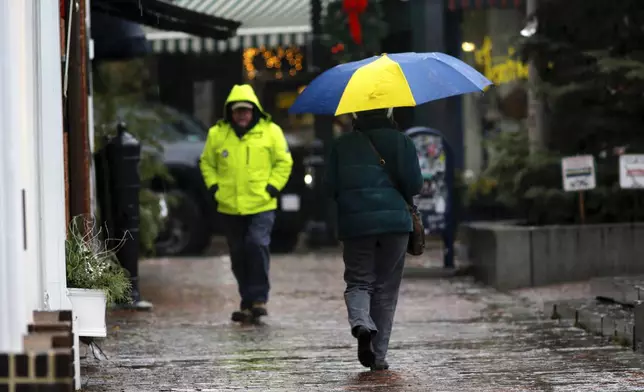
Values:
[(90, 106), (78, 142)]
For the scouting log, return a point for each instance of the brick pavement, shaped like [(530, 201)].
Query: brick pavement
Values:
[(450, 335)]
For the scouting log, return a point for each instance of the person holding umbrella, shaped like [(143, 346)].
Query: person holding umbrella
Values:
[(373, 173), (373, 223)]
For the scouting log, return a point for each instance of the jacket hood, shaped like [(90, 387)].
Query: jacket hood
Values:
[(243, 93), (374, 119)]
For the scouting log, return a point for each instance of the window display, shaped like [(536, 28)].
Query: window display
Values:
[(490, 41)]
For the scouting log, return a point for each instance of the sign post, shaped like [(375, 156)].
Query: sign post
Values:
[(631, 176), (435, 202), (631, 171), (578, 174)]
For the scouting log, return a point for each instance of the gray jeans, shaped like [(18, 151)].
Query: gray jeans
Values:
[(373, 271)]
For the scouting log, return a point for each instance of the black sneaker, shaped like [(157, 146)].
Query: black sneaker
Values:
[(380, 365), (365, 350), (242, 316)]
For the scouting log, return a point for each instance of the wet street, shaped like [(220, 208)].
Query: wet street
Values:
[(450, 335)]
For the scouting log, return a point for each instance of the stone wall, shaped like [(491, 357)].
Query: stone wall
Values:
[(508, 256)]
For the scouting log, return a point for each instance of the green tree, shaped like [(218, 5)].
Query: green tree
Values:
[(591, 61), (120, 87)]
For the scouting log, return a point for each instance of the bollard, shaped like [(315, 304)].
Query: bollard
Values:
[(119, 185)]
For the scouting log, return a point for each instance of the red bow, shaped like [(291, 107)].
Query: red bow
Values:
[(354, 8)]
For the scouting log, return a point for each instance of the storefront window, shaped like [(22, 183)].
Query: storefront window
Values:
[(278, 63), (278, 75), (300, 123), (489, 44)]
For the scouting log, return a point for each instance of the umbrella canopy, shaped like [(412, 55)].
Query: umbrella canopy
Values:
[(390, 80)]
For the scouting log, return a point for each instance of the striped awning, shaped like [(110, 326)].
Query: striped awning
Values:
[(469, 4), (174, 42), (269, 23)]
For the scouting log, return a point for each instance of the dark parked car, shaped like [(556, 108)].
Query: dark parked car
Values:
[(191, 219)]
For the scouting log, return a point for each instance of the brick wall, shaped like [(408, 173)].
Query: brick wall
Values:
[(47, 365)]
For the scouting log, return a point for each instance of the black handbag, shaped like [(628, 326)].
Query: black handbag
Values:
[(416, 244)]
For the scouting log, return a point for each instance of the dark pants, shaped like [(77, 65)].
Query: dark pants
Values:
[(373, 271), (249, 237)]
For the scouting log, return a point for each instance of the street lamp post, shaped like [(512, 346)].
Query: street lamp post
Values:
[(322, 230), (535, 106)]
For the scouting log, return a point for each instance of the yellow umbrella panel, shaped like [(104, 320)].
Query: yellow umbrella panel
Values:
[(377, 85)]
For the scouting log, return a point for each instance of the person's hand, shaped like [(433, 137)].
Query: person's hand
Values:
[(271, 190)]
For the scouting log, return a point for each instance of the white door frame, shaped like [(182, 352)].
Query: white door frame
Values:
[(50, 165)]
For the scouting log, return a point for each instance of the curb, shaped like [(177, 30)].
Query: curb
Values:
[(436, 272), (619, 330)]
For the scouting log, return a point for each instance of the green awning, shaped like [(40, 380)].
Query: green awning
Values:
[(167, 16)]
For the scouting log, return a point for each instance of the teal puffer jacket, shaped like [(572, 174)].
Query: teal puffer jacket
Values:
[(368, 203)]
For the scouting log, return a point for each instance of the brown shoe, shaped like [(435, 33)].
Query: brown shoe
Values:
[(259, 309), (242, 316)]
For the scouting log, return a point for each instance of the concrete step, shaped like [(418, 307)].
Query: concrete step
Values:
[(609, 320), (624, 290), (58, 326), (45, 317), (43, 341)]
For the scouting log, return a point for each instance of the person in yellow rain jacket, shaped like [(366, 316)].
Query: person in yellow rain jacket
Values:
[(245, 164)]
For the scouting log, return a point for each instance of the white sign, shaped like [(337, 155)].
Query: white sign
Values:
[(631, 171), (290, 203), (578, 173)]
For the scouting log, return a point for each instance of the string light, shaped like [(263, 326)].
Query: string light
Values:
[(278, 59)]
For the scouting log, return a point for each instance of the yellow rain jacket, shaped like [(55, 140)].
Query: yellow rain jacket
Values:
[(242, 168)]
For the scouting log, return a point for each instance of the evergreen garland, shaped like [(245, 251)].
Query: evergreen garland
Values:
[(337, 37)]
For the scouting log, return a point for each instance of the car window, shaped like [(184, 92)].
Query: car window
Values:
[(162, 123), (183, 126), (190, 129)]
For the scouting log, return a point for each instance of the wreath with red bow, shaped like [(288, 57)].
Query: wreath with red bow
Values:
[(354, 8), (366, 28)]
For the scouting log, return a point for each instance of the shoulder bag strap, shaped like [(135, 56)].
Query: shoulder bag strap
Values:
[(383, 163)]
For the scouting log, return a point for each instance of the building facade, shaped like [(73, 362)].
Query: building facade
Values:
[(489, 39), (268, 50), (32, 196), (482, 33)]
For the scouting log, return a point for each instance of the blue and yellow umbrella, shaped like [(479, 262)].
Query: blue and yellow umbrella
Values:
[(390, 80)]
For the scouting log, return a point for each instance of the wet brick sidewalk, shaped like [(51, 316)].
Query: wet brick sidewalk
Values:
[(450, 335)]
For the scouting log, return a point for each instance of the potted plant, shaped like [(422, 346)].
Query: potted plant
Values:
[(94, 277)]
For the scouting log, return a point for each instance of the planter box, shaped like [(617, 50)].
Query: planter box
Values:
[(508, 256), (88, 309)]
